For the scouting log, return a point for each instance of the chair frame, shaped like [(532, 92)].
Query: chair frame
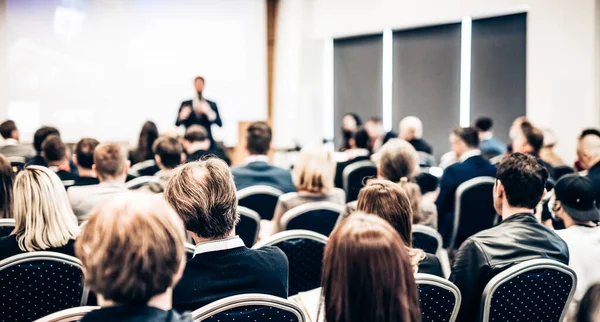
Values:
[(524, 267), (428, 279), (134, 170), (251, 214), (429, 157), (7, 222), (247, 300), (189, 248), (291, 234), (352, 167), (68, 315), (46, 256), (311, 206), (16, 159), (457, 204), (430, 232), (140, 181), (259, 189)]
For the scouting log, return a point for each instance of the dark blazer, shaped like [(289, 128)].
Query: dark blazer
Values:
[(126, 313), (481, 257), (421, 145), (202, 154), (193, 119), (212, 276), (39, 160), (85, 181), (261, 173), (10, 247), (455, 175), (339, 169)]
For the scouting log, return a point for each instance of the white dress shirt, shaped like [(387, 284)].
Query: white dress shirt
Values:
[(218, 245)]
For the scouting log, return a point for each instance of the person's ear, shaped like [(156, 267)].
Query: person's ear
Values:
[(183, 158), (157, 160), (95, 170), (499, 189)]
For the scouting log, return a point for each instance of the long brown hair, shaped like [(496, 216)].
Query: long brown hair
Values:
[(7, 178), (367, 274), (143, 151)]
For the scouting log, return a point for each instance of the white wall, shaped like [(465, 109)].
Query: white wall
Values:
[(562, 56), (102, 68)]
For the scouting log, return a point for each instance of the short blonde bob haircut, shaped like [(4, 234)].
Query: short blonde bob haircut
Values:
[(315, 170), (132, 248), (43, 216)]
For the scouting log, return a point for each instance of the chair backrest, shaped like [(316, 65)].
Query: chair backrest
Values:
[(249, 226), (261, 199), (189, 250), (426, 160), (140, 182), (40, 283), (474, 209), (319, 217), (17, 163), (304, 250), (68, 315), (427, 239), (495, 160), (439, 299), (250, 308), (7, 225), (354, 177), (140, 166), (535, 290)]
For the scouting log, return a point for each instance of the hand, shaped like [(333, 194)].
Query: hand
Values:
[(185, 112)]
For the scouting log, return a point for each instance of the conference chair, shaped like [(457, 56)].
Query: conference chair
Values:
[(320, 217), (354, 177), (153, 184), (189, 250), (17, 163), (68, 315), (250, 308), (143, 168), (261, 199), (249, 226), (39, 283), (439, 299), (7, 225), (426, 160), (430, 241), (535, 290), (474, 209), (495, 160), (304, 250)]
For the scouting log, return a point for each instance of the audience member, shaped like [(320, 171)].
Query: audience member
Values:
[(488, 145), (204, 196), (390, 202), (132, 253), (411, 130), (529, 139), (38, 138), (84, 160), (257, 170), (197, 145), (11, 146), (168, 153), (464, 142), (43, 218), (547, 153), (359, 151), (574, 202), (588, 154), (589, 308), (111, 167), (57, 158), (377, 135), (367, 274), (519, 187), (350, 123), (7, 178), (313, 175), (143, 150)]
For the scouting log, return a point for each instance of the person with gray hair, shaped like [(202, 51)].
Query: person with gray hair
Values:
[(411, 130)]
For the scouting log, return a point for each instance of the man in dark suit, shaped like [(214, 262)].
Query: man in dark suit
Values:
[(411, 130), (257, 170), (199, 111), (359, 151), (56, 156), (11, 147), (204, 196), (464, 142), (84, 159), (197, 145)]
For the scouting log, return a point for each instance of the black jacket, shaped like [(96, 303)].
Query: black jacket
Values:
[(481, 257), (594, 175), (202, 120), (135, 314), (421, 146)]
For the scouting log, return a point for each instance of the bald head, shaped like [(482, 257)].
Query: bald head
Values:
[(411, 128), (588, 151)]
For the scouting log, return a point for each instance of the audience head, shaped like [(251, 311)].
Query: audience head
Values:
[(367, 274), (515, 127), (315, 170), (258, 138), (397, 159), (54, 151), (588, 150), (132, 250), (7, 178), (590, 131), (464, 139), (483, 124), (110, 162), (41, 134), (203, 194), (520, 183), (360, 139), (411, 128), (589, 307), (168, 152), (574, 200), (374, 127), (148, 135), (84, 153), (42, 212), (8, 130), (350, 123), (549, 139), (196, 139), (528, 139), (199, 84)]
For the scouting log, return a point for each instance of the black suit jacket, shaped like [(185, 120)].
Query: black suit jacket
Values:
[(193, 119)]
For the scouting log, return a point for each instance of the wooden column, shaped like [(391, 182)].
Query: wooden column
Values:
[(272, 6)]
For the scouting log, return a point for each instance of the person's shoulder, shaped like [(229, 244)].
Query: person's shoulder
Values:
[(271, 253)]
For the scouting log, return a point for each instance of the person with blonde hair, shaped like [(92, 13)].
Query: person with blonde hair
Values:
[(7, 178), (132, 250), (390, 202), (43, 217), (313, 176)]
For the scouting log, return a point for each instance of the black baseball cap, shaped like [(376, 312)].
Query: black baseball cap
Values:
[(578, 197)]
